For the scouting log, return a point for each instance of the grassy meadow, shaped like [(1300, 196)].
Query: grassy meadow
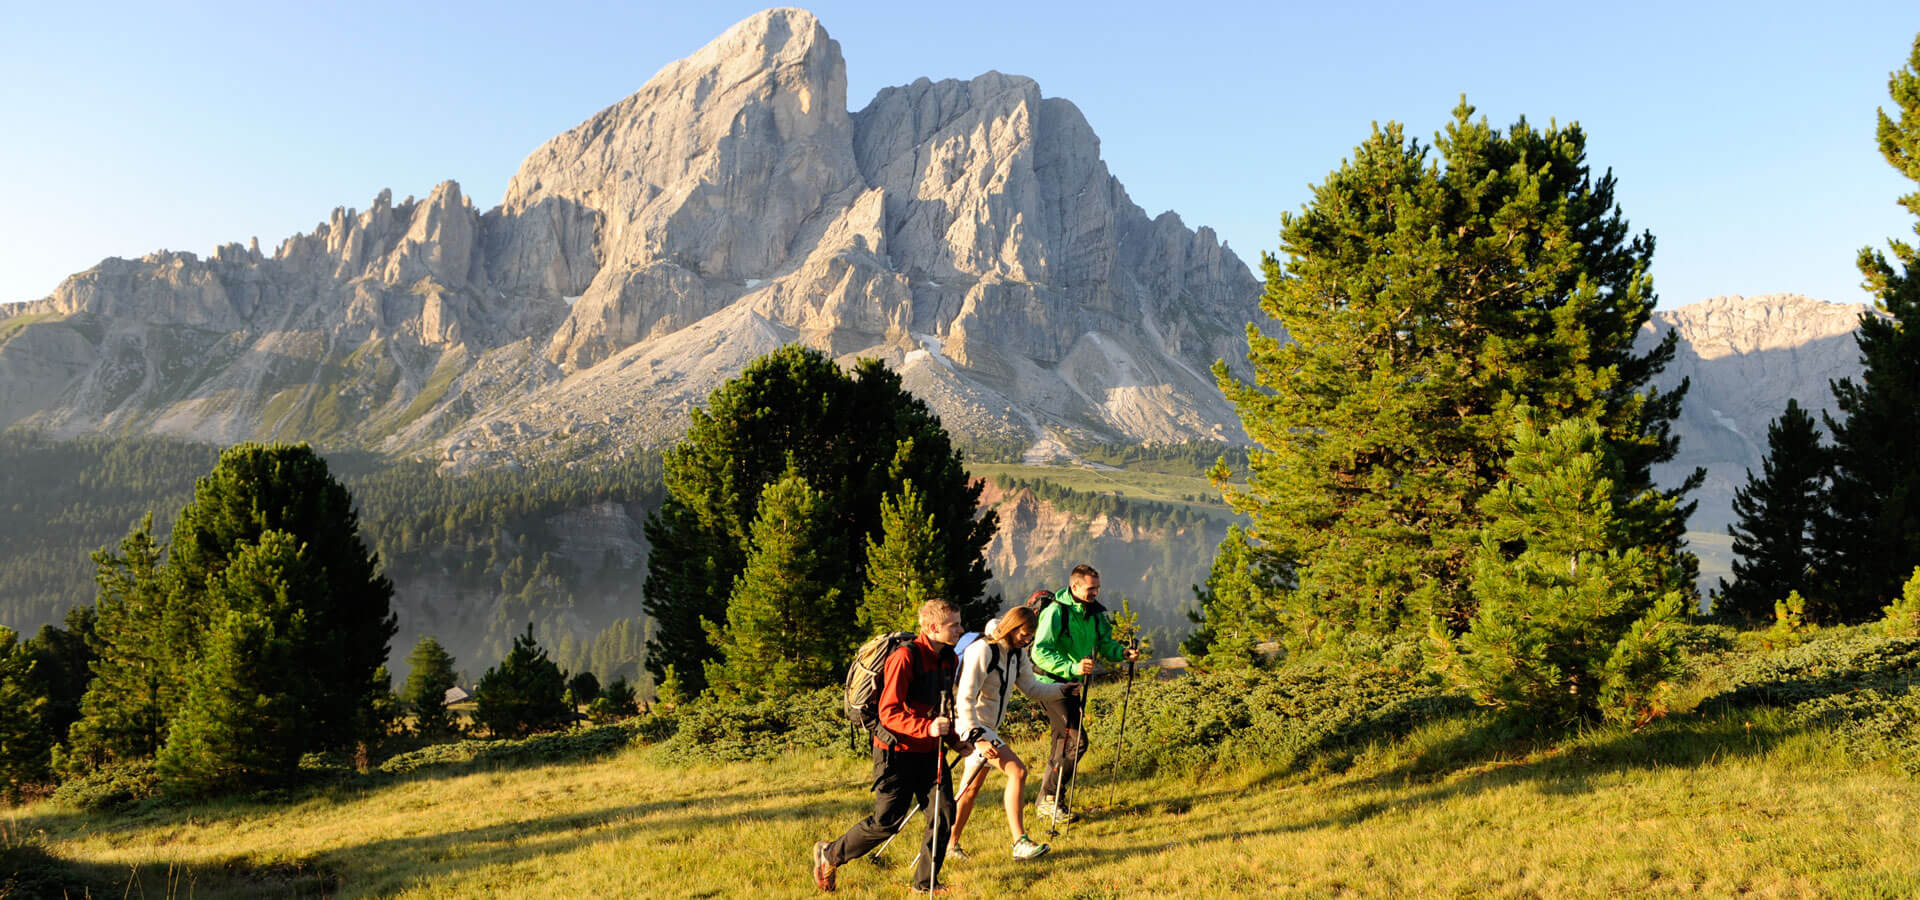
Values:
[(1719, 800)]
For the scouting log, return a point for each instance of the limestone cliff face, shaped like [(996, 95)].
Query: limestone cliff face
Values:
[(965, 231), (1149, 560), (1744, 357)]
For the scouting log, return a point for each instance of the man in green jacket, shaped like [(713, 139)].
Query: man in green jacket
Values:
[(1074, 631)]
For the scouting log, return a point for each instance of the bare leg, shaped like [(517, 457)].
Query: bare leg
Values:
[(963, 806), (1016, 791)]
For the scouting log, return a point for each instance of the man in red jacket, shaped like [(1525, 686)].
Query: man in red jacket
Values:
[(906, 751)]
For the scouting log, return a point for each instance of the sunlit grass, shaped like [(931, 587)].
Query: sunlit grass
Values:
[(1714, 806)]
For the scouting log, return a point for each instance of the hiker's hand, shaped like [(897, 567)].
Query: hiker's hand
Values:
[(1132, 654), (1086, 666), (989, 750), (941, 727), (1071, 689)]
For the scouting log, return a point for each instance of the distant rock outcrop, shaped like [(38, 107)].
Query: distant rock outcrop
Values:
[(1744, 358), (965, 232)]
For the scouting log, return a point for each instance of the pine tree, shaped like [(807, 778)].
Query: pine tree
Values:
[(783, 631), (855, 437), (135, 685), (525, 692), (244, 723), (1870, 538), (904, 568), (1571, 626), (430, 674), (615, 701), (1234, 614), (1776, 511), (254, 489), (1425, 300), (582, 689), (24, 741)]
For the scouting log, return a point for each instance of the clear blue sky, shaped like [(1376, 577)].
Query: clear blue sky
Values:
[(1742, 133)]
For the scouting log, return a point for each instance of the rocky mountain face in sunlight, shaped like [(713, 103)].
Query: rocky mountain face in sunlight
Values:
[(967, 232), (1744, 357)]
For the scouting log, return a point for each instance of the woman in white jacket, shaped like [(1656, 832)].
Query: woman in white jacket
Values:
[(989, 670)]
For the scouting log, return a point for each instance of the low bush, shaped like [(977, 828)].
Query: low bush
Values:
[(1287, 718), (731, 731), (1827, 663), (553, 747), (1873, 723), (111, 787)]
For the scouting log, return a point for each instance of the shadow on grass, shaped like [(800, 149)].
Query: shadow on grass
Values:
[(29, 871)]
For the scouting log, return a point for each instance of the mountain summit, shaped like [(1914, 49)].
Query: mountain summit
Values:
[(966, 232)]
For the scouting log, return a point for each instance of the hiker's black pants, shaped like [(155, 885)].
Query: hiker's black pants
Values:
[(900, 781), (1063, 717)]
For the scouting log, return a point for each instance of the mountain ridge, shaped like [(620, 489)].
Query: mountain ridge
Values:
[(965, 232)]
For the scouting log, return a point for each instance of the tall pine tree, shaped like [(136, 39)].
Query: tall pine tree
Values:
[(904, 567), (1776, 511), (784, 630), (1870, 539), (245, 719), (855, 437), (1425, 300), (136, 684), (258, 488), (525, 692), (23, 737), (430, 675)]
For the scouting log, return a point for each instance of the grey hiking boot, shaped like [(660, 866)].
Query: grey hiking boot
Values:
[(1025, 848), (1057, 812), (956, 852)]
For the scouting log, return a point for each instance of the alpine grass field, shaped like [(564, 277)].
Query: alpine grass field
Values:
[(1783, 771)]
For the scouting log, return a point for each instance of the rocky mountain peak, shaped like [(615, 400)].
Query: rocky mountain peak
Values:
[(965, 232)]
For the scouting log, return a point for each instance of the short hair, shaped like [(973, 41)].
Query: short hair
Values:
[(935, 610), (1083, 572)]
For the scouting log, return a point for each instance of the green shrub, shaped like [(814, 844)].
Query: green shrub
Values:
[(111, 787), (1902, 616), (1874, 723), (1833, 662), (562, 747), (812, 722), (1286, 718)]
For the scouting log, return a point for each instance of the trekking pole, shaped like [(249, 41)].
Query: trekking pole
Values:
[(1074, 736), (933, 800), (1113, 771), (874, 857)]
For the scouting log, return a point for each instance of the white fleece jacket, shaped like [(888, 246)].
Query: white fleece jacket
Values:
[(981, 699)]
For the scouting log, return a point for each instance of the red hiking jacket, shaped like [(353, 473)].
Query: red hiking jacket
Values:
[(911, 687)]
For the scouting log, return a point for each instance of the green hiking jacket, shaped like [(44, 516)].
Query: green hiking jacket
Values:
[(1068, 633)]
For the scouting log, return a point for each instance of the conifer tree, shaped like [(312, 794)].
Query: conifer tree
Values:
[(1574, 621), (1870, 538), (616, 700), (904, 568), (582, 689), (1425, 299), (1776, 511), (430, 674), (23, 737), (1235, 614), (783, 631), (855, 437), (254, 489), (135, 685), (244, 722), (525, 692)]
